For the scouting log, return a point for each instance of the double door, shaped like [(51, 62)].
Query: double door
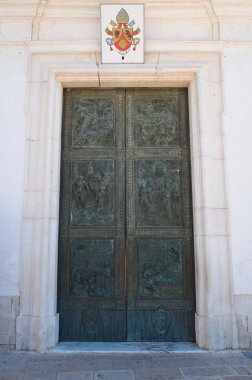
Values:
[(126, 268)]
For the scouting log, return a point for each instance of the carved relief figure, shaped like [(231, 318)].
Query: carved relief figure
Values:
[(92, 193), (91, 281), (106, 275), (160, 266), (93, 122), (158, 191), (148, 279), (157, 121), (92, 268)]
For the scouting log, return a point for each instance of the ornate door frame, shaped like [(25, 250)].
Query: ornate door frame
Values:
[(52, 68)]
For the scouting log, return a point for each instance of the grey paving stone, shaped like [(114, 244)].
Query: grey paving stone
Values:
[(105, 362), (212, 360), (203, 378), (242, 370), (247, 353), (4, 356), (175, 362), (207, 371), (95, 364), (48, 357), (82, 362), (55, 367), (125, 363), (145, 366), (237, 377), (22, 367), (114, 375), (227, 359), (79, 366), (150, 374), (13, 359), (12, 369), (84, 356), (11, 376), (75, 376), (38, 376)]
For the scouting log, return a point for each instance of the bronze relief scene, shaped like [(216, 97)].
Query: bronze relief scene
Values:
[(160, 265), (92, 268), (158, 192), (93, 193), (93, 122)]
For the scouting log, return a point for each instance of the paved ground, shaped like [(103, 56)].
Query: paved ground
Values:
[(125, 366)]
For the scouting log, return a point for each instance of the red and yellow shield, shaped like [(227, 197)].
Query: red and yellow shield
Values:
[(122, 38)]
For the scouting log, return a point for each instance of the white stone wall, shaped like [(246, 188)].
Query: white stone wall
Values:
[(237, 68), (13, 75), (9, 310), (211, 43), (14, 64)]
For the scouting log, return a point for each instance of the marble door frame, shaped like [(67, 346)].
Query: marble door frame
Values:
[(57, 65)]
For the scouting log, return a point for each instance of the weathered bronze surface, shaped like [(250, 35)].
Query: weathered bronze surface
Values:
[(93, 122), (158, 192), (125, 241), (92, 274), (92, 196), (156, 121), (160, 267)]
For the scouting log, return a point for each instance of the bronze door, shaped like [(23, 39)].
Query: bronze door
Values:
[(125, 240)]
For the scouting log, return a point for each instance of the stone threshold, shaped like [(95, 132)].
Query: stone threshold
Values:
[(127, 347)]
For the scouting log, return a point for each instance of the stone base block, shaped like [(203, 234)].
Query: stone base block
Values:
[(9, 309), (215, 333), (243, 307), (37, 333)]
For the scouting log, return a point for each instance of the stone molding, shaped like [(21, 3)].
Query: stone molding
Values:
[(77, 65), (192, 20), (200, 9)]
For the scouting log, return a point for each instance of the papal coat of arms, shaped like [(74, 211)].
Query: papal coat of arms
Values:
[(123, 36)]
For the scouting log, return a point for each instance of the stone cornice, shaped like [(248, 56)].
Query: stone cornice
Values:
[(18, 8), (82, 9), (75, 47)]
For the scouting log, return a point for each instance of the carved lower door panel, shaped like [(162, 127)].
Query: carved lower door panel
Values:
[(125, 237)]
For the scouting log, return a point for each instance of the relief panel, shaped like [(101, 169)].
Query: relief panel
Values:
[(92, 268), (92, 200), (159, 268), (158, 192), (93, 122), (156, 121)]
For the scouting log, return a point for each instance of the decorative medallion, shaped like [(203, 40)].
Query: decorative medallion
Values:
[(124, 41), (161, 320), (91, 319)]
